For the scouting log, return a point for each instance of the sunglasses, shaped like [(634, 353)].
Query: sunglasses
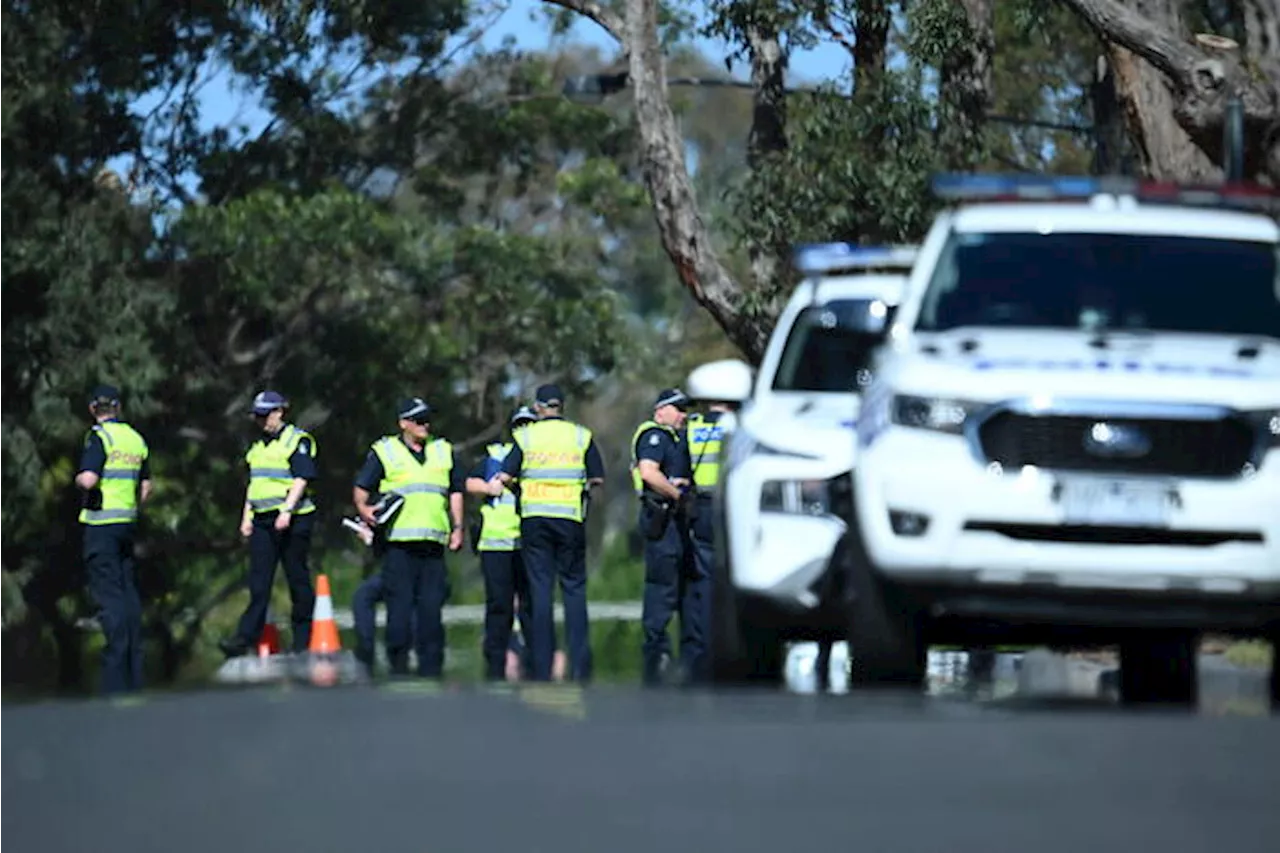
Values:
[(420, 420)]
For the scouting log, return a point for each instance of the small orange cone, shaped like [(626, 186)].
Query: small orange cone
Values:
[(269, 642), (324, 631)]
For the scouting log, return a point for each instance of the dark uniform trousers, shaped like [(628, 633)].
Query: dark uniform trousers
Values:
[(416, 584), (702, 541), (504, 578), (672, 581), (364, 613), (557, 547), (267, 548), (108, 557)]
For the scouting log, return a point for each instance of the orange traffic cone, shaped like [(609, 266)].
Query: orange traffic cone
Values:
[(324, 631), (269, 642)]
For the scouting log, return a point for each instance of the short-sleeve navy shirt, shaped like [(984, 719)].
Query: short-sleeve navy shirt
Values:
[(658, 445), (372, 472)]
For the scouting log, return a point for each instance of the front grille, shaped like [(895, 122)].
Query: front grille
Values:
[(1181, 448)]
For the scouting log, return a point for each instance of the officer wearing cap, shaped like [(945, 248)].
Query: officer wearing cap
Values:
[(556, 462), (661, 475), (498, 544), (425, 471), (278, 520), (115, 480)]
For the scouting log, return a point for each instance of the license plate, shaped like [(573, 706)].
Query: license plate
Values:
[(1118, 503)]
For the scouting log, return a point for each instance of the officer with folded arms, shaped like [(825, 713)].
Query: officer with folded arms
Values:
[(661, 476), (426, 474)]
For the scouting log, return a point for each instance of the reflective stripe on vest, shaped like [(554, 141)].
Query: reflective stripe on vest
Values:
[(126, 450), (269, 476), (499, 521), (553, 469), (424, 485), (636, 482), (704, 450)]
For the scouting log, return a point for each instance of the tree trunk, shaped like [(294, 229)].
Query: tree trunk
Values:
[(965, 87), (768, 136), (1165, 151), (1197, 78), (870, 48)]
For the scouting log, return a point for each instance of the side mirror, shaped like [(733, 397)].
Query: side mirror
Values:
[(728, 380)]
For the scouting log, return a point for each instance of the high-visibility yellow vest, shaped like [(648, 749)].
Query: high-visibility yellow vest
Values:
[(704, 450), (553, 470), (269, 476), (424, 485), (636, 482), (126, 451), (499, 521)]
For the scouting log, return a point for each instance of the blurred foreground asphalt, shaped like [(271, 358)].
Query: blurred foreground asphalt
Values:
[(616, 770)]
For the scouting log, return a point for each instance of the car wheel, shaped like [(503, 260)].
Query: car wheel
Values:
[(887, 647), (741, 653), (1160, 668)]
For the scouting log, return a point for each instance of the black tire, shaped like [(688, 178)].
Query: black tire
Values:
[(1274, 682), (741, 654), (1160, 668), (887, 646)]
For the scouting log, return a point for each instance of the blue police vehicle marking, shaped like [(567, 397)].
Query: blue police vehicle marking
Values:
[(1107, 365)]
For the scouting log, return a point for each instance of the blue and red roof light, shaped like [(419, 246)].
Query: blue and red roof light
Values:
[(811, 258), (992, 187)]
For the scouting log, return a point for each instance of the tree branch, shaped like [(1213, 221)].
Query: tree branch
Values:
[(1121, 25), (609, 21), (684, 234)]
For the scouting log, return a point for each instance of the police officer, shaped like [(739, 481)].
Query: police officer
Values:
[(425, 471), (557, 462), (705, 434), (278, 520), (115, 480), (499, 549), (661, 477)]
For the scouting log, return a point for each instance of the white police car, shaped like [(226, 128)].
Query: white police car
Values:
[(1073, 435), (784, 487)]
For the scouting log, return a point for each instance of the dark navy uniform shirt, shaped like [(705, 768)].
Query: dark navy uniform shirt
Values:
[(594, 461), (658, 445), (371, 472), (94, 455)]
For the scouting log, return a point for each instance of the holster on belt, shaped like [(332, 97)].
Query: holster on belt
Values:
[(655, 512)]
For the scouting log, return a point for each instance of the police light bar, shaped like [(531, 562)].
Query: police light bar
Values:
[(962, 187), (814, 258)]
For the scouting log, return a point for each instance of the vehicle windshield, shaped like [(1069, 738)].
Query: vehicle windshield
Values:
[(819, 357), (1105, 281)]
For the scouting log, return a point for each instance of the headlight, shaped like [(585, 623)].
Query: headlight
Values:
[(1268, 424), (802, 497), (932, 413)]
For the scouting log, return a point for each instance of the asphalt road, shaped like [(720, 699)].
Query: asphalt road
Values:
[(614, 770)]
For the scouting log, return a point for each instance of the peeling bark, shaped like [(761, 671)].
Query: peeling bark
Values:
[(1165, 150), (1200, 79)]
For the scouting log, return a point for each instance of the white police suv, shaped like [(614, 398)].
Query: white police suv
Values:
[(784, 485), (1073, 432)]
